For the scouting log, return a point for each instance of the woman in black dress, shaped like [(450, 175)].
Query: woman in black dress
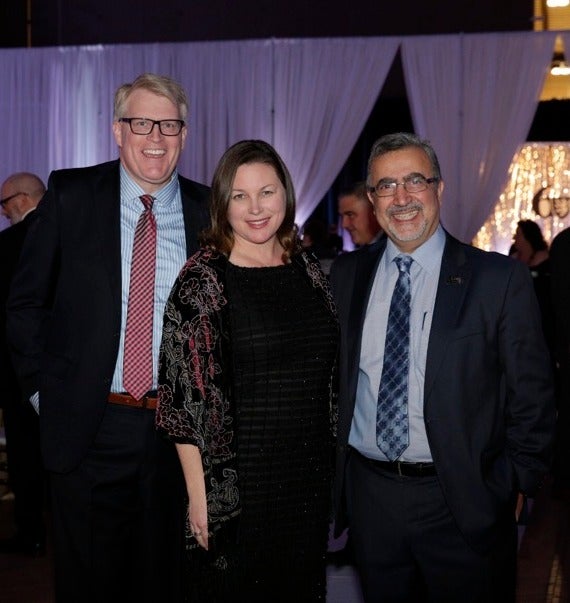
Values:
[(246, 391)]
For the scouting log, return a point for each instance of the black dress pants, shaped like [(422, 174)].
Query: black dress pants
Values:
[(25, 470), (408, 547), (118, 517)]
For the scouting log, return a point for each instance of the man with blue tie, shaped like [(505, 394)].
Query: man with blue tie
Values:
[(446, 408)]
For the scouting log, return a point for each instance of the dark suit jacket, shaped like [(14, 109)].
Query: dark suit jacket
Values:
[(560, 280), (11, 242), (488, 399), (64, 310)]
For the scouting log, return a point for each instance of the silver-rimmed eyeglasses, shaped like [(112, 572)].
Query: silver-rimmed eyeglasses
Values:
[(416, 183), (143, 125)]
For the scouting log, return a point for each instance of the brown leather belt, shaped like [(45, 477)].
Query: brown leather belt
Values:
[(147, 401)]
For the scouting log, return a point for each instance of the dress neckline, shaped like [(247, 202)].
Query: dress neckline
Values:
[(245, 268)]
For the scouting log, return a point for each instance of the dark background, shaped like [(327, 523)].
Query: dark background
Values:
[(81, 22), (73, 22)]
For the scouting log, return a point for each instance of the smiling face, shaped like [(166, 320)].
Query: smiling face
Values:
[(409, 219), (257, 208), (150, 160)]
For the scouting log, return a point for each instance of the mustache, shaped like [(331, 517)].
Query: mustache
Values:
[(402, 209)]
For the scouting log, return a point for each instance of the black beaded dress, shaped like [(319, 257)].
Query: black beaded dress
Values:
[(284, 347)]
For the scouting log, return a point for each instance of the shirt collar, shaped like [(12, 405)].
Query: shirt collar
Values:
[(164, 197), (428, 255)]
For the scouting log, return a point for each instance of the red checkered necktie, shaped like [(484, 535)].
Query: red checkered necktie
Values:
[(137, 362)]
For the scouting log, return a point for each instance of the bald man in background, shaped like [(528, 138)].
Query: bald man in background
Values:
[(19, 195)]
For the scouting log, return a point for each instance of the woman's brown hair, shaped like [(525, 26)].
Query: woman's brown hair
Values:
[(220, 234)]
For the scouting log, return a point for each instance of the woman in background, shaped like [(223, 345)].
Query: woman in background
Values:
[(530, 247), (246, 391)]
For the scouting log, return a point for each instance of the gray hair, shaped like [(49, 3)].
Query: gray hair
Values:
[(403, 140)]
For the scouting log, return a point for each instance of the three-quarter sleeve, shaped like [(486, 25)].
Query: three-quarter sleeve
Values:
[(194, 382)]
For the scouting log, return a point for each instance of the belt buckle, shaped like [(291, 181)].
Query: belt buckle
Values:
[(399, 466)]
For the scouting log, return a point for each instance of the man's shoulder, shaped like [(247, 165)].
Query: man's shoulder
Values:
[(192, 189), (15, 230), (82, 176), (561, 242), (347, 261), (81, 172), (476, 256), (489, 270), (344, 260), (12, 236)]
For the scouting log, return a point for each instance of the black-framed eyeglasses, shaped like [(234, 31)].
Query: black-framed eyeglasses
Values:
[(412, 184), (143, 125), (10, 197)]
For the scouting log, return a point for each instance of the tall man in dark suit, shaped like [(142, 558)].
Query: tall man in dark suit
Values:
[(19, 195), (116, 488), (431, 463)]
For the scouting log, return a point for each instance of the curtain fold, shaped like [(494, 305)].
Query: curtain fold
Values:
[(325, 90), (474, 96)]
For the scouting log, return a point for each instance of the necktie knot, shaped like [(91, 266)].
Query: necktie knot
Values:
[(404, 263), (147, 201)]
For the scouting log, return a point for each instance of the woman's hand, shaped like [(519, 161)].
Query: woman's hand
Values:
[(198, 516), (191, 462)]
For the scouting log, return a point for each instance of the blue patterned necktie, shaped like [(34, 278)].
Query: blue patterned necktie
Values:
[(392, 411)]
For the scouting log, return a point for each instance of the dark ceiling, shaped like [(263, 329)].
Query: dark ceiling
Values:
[(73, 22)]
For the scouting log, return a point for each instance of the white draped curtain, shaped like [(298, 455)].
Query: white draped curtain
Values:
[(473, 96), (226, 84), (324, 92)]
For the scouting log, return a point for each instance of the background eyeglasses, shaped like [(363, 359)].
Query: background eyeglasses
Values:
[(143, 126), (413, 184), (9, 198)]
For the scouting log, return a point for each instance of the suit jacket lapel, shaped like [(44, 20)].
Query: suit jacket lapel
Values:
[(193, 220), (454, 278), (365, 271), (107, 199)]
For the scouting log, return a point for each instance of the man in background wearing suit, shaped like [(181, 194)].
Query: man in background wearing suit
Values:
[(19, 195), (439, 432), (357, 215), (117, 493)]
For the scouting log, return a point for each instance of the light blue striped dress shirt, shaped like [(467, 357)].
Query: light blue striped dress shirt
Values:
[(170, 257), (424, 274)]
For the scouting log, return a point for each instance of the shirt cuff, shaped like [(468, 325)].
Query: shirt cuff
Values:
[(35, 402)]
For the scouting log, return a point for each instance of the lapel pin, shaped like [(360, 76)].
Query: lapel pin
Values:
[(455, 280)]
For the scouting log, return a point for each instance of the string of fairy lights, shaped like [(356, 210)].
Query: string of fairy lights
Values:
[(538, 189)]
